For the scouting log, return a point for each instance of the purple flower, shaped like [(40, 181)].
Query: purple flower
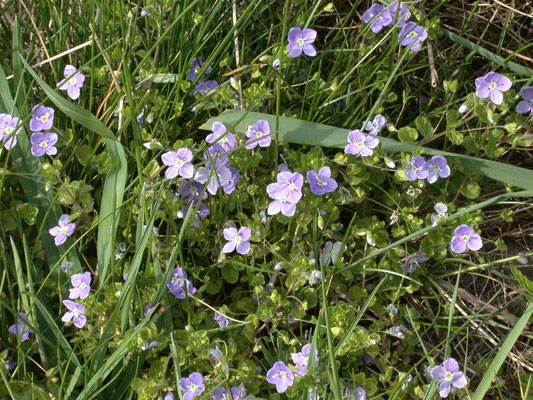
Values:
[(399, 17), (64, 229), (359, 143), (196, 65), (179, 163), (67, 266), (281, 205), (192, 190), (330, 253), (168, 396), (281, 376), (321, 181), (81, 285), (177, 284), (301, 359), (42, 118), (221, 320), (228, 186), (375, 126), (237, 240), (201, 212), (205, 86), (258, 133), (352, 393), (526, 105), (437, 167), (9, 130), (239, 393), (21, 328), (442, 212), (43, 143), (226, 143), (192, 386), (75, 313), (276, 64), (465, 236), (300, 40), (147, 309), (412, 34), (448, 375), (288, 186), (214, 173), (72, 83), (412, 262), (417, 169), (221, 394), (492, 85), (378, 16)]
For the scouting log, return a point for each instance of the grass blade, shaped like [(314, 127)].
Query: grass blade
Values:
[(506, 348), (311, 133)]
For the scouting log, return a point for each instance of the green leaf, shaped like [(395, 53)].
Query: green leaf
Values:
[(407, 134), (424, 126), (311, 133), (523, 280)]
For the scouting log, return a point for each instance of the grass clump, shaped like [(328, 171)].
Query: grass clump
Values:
[(265, 199)]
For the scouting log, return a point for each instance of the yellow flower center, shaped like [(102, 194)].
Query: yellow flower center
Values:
[(300, 42), (43, 144), (283, 374), (72, 80)]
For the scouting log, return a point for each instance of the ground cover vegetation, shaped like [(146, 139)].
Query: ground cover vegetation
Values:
[(266, 199)]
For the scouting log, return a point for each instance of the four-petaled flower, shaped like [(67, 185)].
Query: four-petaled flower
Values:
[(64, 229), (43, 143), (400, 13), (376, 125), (321, 182), (192, 386), (75, 313), (360, 144), (300, 41), (237, 240), (288, 186), (225, 143), (179, 163), (301, 359), (330, 253), (412, 34), (416, 169), (41, 119), (379, 16), (448, 375), (258, 134), (526, 105), (492, 85), (215, 173), (81, 285), (465, 236), (412, 262), (178, 284), (281, 376), (72, 83), (221, 320), (442, 212), (21, 328), (9, 129), (437, 167)]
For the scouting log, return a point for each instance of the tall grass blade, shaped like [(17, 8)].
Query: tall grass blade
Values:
[(311, 133), (506, 348), (115, 180)]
